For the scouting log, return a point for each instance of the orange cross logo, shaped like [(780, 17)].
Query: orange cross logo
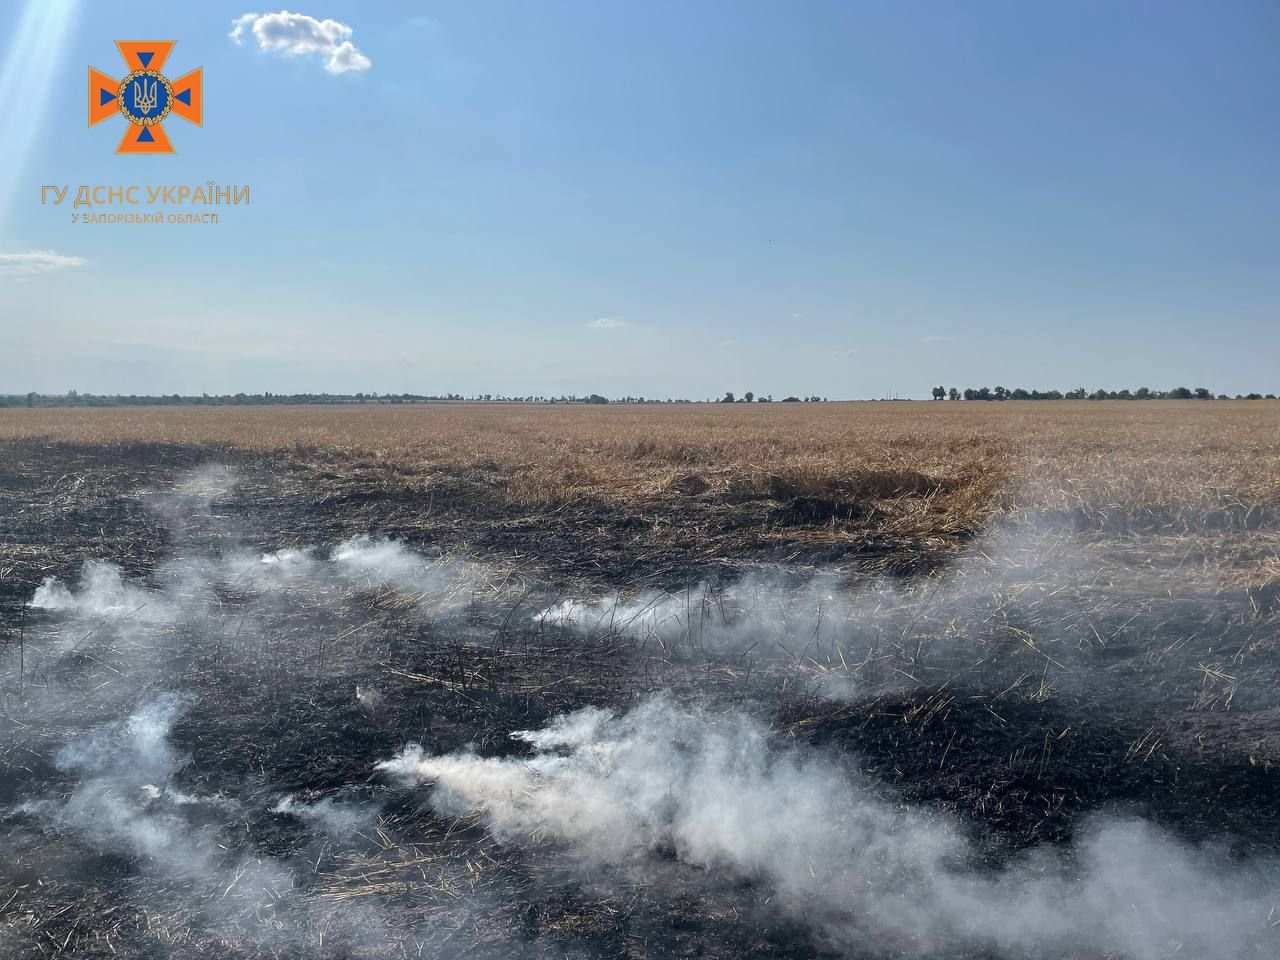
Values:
[(145, 97)]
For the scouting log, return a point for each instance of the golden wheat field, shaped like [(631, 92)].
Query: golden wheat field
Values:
[(955, 461)]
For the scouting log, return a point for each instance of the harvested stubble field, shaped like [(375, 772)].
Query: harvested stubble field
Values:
[(868, 680)]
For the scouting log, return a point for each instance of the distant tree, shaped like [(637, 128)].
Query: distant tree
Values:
[(1254, 396), (1019, 394), (596, 398), (728, 397), (1000, 393), (1142, 393), (953, 393), (790, 399), (1203, 393), (939, 393), (1179, 393), (984, 393), (970, 393), (748, 396)]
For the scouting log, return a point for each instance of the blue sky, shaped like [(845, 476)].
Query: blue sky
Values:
[(660, 199)]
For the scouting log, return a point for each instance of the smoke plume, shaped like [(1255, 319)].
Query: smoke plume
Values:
[(860, 866)]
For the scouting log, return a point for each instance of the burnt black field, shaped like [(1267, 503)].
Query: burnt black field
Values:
[(1044, 741)]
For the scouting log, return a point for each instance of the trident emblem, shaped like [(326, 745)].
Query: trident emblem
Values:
[(145, 97)]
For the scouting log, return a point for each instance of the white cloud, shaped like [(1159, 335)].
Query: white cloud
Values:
[(298, 35), (36, 261), (937, 338), (607, 323)]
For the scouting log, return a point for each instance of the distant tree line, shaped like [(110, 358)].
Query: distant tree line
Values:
[(1080, 393), (750, 397), (73, 398)]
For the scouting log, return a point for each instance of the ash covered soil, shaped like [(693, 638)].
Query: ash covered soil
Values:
[(253, 708)]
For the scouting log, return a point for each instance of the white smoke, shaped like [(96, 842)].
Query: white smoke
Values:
[(1044, 599), (126, 800), (391, 564), (102, 593), (275, 568), (862, 868), (124, 769), (339, 820), (187, 586), (768, 606)]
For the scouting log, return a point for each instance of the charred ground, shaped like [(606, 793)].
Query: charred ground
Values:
[(1022, 717)]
